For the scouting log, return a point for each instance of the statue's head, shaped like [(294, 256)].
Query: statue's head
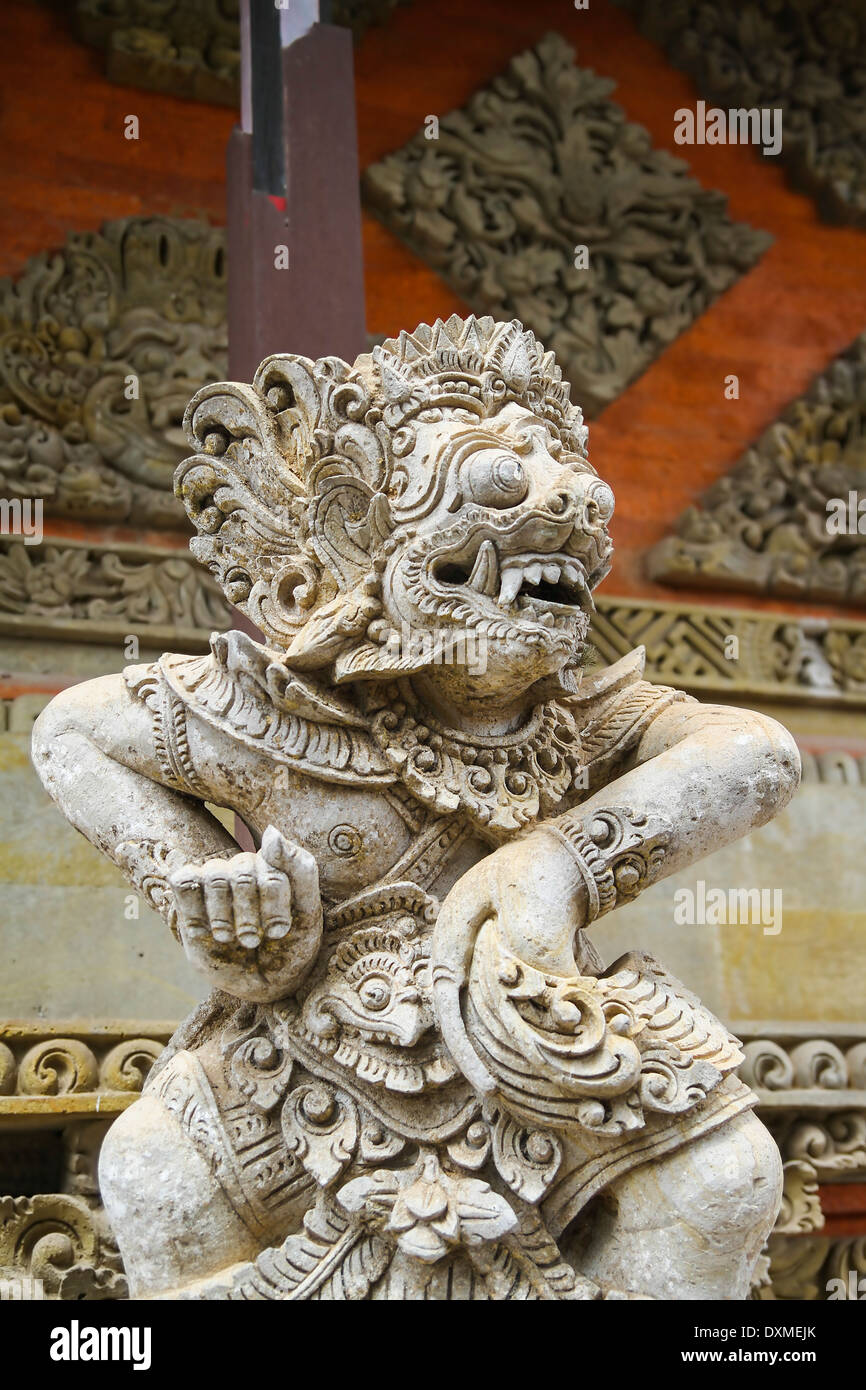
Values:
[(432, 499)]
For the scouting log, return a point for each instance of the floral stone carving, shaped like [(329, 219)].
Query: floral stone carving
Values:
[(106, 590), (101, 345), (415, 1071), (191, 48), (803, 57), (790, 517), (539, 199)]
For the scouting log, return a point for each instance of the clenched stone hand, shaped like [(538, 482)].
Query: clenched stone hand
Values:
[(251, 922)]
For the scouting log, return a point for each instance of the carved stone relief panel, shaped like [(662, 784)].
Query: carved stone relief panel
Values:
[(101, 345), (190, 48), (540, 201), (805, 57), (790, 517), (724, 649), (96, 592)]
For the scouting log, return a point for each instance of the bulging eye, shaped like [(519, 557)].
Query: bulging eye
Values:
[(495, 479), (599, 503), (375, 993)]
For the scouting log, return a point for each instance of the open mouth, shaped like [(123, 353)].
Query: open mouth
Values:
[(553, 583)]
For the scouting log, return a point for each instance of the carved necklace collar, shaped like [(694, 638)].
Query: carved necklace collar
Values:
[(502, 781)]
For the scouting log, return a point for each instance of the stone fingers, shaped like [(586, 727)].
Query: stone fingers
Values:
[(275, 896), (217, 883), (245, 889), (221, 898), (301, 869), (188, 892), (250, 897)]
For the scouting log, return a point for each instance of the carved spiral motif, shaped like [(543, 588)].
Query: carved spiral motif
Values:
[(57, 1067), (45, 1229), (837, 1143), (345, 841), (528, 1159), (7, 1070), (819, 1063), (126, 1066), (767, 1066)]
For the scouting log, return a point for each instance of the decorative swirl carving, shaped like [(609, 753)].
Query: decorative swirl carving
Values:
[(833, 1144), (259, 1068), (801, 1206), (62, 1240), (83, 583), (320, 1127), (527, 1159), (819, 1063), (686, 643), (806, 59), (345, 841), (618, 853), (765, 526), (767, 1066), (141, 302), (8, 1070), (126, 1066), (591, 1051), (57, 1067)]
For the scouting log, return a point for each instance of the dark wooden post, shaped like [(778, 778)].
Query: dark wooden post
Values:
[(295, 267)]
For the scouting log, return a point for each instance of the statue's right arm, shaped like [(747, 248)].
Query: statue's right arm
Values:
[(250, 922)]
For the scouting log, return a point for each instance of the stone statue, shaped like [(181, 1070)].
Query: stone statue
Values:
[(414, 1077)]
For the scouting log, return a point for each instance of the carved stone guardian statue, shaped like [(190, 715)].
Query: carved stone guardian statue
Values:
[(414, 1076)]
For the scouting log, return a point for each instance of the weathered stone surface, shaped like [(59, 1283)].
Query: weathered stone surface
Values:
[(815, 1268), (735, 652), (53, 883), (414, 1072), (94, 592), (64, 1243), (811, 855)]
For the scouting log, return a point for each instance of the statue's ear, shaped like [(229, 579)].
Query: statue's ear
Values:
[(348, 523)]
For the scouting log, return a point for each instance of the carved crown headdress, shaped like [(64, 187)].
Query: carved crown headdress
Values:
[(299, 477)]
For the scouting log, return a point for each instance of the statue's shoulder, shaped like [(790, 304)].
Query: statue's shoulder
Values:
[(247, 695), (614, 707)]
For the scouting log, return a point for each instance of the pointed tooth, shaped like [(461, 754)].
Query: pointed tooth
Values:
[(511, 582), (572, 574), (547, 619), (484, 578), (533, 574), (585, 598), (550, 574)]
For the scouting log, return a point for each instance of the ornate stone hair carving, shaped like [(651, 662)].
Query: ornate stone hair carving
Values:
[(302, 477)]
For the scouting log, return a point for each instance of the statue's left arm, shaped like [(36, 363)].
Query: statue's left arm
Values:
[(701, 777)]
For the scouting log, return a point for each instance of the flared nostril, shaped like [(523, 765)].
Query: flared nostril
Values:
[(558, 502)]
